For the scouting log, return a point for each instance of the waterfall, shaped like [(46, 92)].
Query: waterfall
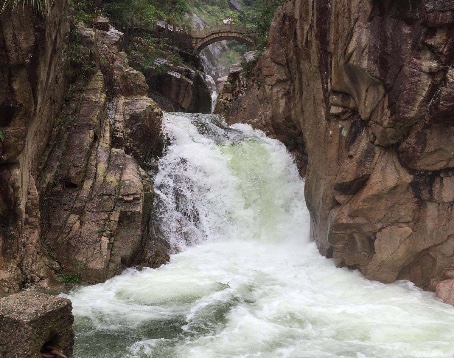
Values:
[(244, 280), (214, 98), (221, 184)]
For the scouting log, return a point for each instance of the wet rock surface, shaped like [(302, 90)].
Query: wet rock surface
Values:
[(367, 85)]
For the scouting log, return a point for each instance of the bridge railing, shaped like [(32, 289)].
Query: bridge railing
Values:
[(220, 28), (189, 39), (165, 27)]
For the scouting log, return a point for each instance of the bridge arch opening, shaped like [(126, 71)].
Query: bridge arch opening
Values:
[(203, 38), (199, 46)]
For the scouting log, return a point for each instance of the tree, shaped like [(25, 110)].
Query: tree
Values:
[(174, 10), (258, 15), (131, 14)]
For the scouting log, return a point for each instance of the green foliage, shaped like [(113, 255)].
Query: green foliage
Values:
[(39, 5), (84, 11), (258, 16), (2, 135), (131, 14), (255, 14), (174, 10), (81, 60), (69, 278), (213, 11), (142, 14), (248, 68), (146, 51)]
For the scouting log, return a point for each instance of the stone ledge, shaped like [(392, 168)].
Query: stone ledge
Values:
[(30, 321)]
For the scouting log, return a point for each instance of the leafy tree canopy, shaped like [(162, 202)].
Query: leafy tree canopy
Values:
[(144, 13), (258, 15)]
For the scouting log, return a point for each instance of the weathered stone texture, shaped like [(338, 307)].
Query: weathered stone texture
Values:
[(33, 322), (445, 290), (31, 93), (368, 84), (74, 195), (98, 197), (179, 88)]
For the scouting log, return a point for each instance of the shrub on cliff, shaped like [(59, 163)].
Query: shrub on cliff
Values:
[(258, 16), (142, 14), (146, 51), (212, 11)]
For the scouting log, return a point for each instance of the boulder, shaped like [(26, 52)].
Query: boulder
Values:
[(445, 291), (32, 323)]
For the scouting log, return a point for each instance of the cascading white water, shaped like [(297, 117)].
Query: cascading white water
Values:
[(214, 98), (246, 281)]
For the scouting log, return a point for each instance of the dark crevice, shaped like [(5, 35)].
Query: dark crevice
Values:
[(70, 185)]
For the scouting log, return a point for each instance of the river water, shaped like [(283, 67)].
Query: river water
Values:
[(245, 281)]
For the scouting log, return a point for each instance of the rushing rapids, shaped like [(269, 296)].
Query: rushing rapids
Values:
[(244, 280)]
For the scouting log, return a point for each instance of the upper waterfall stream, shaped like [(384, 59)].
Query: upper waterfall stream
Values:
[(245, 281)]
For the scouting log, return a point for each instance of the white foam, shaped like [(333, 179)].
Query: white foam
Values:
[(248, 283)]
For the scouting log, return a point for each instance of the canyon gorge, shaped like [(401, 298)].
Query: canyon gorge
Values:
[(361, 92)]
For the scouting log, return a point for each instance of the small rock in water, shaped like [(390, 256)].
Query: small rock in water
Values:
[(445, 291)]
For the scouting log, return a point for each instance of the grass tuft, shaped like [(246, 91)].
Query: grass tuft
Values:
[(69, 278)]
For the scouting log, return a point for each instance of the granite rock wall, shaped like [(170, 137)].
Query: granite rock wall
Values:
[(76, 145), (365, 88)]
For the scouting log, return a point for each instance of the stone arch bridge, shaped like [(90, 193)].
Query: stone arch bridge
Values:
[(196, 40), (202, 38)]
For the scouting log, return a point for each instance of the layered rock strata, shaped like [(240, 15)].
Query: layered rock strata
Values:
[(31, 85), (98, 193), (367, 88), (75, 194)]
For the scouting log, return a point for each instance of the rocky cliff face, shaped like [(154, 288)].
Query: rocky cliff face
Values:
[(31, 87), (98, 197), (366, 89), (75, 197), (181, 89)]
